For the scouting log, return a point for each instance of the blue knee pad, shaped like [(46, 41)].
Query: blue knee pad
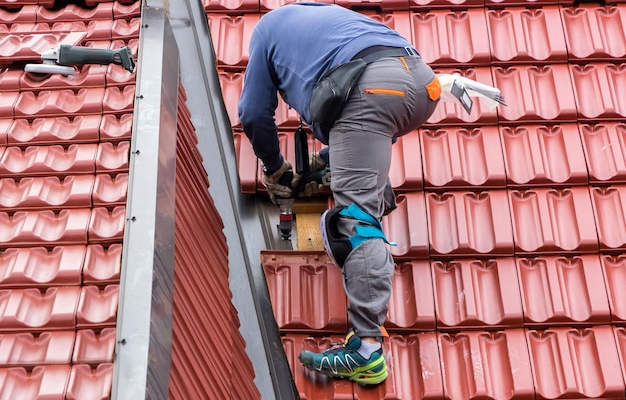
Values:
[(339, 246)]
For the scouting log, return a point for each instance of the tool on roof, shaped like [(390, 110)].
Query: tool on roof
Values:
[(61, 59), (455, 87), (285, 205)]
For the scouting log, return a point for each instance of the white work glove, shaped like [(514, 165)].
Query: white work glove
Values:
[(316, 163), (275, 187)]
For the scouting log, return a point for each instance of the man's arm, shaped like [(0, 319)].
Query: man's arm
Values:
[(257, 106)]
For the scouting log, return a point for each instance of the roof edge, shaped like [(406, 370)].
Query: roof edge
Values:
[(143, 346)]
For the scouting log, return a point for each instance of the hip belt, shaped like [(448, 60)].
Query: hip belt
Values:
[(373, 53)]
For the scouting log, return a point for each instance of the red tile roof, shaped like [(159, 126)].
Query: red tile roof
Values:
[(510, 223)]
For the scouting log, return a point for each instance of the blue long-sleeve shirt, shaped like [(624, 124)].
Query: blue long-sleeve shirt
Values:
[(291, 47)]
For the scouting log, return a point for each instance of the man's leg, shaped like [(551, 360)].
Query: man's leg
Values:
[(360, 166)]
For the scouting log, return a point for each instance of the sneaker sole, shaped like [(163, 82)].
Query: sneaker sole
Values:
[(364, 375), (370, 379)]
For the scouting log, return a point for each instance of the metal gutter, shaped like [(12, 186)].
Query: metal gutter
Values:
[(144, 324), (246, 225)]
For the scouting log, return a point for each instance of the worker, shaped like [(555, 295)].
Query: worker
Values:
[(292, 50)]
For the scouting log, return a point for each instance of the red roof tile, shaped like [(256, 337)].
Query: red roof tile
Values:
[(5, 123), (406, 163), (397, 20), (579, 363), (48, 160), (24, 13), (59, 103), (107, 226), (543, 156), (32, 310), (93, 347), (57, 130), (587, 28), (226, 6), (114, 128), (531, 36), (605, 156), (563, 291), (414, 369), (445, 37), (102, 264), (46, 192), (110, 190), (97, 307), (401, 227), (74, 12), (197, 310), (535, 94), (112, 157), (41, 382), (463, 158), (469, 224), (231, 38), (594, 89), (28, 350), (306, 291), (40, 267), (523, 3), (486, 364), (447, 4), (47, 227), (412, 306), (476, 294), (247, 164), (554, 221), (84, 77), (608, 206), (90, 383)]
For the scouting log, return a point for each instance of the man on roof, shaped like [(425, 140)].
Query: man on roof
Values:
[(359, 85)]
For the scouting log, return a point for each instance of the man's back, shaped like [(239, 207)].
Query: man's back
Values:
[(303, 40)]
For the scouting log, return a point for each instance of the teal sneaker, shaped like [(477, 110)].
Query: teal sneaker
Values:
[(344, 361)]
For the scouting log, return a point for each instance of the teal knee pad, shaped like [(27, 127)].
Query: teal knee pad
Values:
[(339, 246)]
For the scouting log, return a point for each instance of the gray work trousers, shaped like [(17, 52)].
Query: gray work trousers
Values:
[(391, 100)]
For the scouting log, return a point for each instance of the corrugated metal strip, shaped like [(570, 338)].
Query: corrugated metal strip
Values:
[(208, 352)]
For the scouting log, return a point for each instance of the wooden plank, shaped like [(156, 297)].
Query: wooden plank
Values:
[(310, 205), (309, 233)]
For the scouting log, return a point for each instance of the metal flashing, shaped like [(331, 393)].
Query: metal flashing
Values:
[(145, 304)]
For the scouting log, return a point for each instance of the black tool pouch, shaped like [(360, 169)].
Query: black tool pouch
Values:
[(332, 91)]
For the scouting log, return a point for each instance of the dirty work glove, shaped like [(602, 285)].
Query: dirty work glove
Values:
[(273, 185), (310, 189), (316, 163)]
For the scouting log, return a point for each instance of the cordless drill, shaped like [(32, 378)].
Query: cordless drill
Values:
[(303, 169)]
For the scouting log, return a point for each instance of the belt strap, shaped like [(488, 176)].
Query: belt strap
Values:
[(373, 53)]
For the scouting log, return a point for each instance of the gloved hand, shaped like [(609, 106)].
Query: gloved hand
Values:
[(275, 187), (316, 163)]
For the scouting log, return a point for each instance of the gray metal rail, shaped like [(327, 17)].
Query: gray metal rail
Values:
[(144, 341)]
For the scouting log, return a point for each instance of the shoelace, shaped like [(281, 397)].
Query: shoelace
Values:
[(335, 346)]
